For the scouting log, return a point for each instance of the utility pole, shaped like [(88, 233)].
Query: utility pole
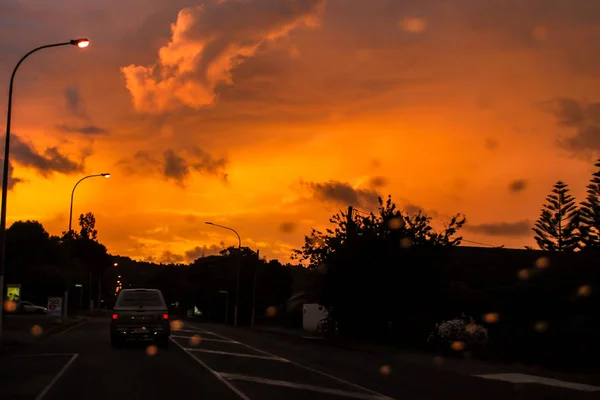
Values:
[(254, 288)]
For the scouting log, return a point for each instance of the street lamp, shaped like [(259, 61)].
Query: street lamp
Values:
[(81, 43), (237, 271), (104, 175)]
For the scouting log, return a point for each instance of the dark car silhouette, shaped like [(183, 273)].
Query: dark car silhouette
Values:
[(140, 315)]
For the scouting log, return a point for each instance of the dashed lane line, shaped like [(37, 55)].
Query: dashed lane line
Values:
[(241, 394), (523, 378)]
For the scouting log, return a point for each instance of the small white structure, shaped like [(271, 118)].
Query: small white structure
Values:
[(312, 314)]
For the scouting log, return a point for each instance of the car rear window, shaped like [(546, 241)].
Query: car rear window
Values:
[(137, 299)]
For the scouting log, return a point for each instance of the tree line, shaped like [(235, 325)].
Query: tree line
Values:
[(389, 276), (564, 225)]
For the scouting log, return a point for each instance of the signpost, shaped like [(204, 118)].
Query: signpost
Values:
[(55, 306)]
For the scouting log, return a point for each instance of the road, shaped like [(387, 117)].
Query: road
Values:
[(217, 362)]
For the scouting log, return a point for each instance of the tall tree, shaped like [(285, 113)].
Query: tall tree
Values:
[(87, 223), (590, 213), (557, 228)]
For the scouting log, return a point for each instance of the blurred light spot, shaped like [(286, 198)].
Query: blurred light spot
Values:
[(524, 274), (541, 326), (406, 242), (294, 52), (385, 370), (491, 318), (584, 290), (542, 262), (287, 227), (151, 350), (540, 33), (471, 328), (36, 330), (195, 340), (458, 346), (396, 223), (438, 360), (176, 325), (272, 311), (413, 24), (10, 306)]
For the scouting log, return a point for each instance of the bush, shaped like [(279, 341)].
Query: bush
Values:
[(459, 334)]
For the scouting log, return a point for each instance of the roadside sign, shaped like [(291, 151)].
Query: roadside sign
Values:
[(55, 306), (13, 292)]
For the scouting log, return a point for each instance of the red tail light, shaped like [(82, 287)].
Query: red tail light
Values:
[(115, 316), (165, 316)]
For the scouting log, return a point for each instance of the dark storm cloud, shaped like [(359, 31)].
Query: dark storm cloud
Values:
[(342, 193), (49, 161), (174, 166)]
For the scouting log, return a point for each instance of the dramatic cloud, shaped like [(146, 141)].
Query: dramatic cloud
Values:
[(207, 42), (12, 180), (203, 251), (342, 193), (412, 209), (582, 118), (176, 167), (77, 111), (518, 229), (45, 163), (517, 185), (377, 181), (83, 129)]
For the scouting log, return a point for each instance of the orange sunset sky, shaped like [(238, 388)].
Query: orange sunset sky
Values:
[(269, 116)]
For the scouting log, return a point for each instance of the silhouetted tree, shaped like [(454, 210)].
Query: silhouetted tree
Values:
[(557, 227), (590, 213), (87, 223)]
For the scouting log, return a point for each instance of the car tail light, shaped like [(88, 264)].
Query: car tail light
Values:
[(165, 316), (115, 316)]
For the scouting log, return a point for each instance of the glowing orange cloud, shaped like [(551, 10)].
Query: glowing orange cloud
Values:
[(207, 42)]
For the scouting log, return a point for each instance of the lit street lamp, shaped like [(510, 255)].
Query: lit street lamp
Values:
[(104, 175), (81, 43)]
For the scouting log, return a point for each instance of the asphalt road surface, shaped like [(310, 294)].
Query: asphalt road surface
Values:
[(217, 362)]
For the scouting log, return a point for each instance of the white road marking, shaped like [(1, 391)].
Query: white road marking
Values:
[(313, 388), (45, 355), (335, 378), (56, 377), (227, 353), (212, 371), (522, 378), (71, 327), (205, 339), (196, 331)]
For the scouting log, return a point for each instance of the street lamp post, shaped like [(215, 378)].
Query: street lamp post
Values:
[(226, 293), (237, 272), (104, 175), (81, 43)]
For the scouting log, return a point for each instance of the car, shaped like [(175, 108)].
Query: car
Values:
[(27, 307), (140, 315)]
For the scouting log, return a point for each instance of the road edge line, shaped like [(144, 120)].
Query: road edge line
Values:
[(212, 371), (45, 391), (78, 324)]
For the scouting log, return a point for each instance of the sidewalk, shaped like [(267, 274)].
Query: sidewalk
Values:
[(22, 330), (460, 365)]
